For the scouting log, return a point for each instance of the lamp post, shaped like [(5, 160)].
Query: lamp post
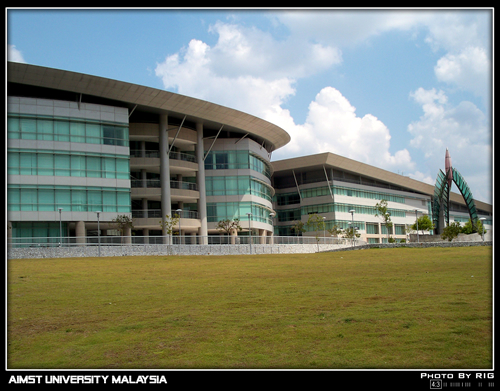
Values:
[(482, 225), (179, 213), (249, 232), (98, 234), (324, 227), (60, 227), (272, 214), (352, 226), (416, 216)]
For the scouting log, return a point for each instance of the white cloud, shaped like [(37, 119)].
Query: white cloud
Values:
[(468, 70), (15, 55), (249, 70), (463, 129), (333, 126)]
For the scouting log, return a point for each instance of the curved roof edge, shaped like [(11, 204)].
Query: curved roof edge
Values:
[(147, 98)]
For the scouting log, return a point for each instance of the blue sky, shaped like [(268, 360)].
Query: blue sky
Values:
[(391, 88)]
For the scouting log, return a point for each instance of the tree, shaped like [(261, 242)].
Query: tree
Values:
[(480, 228), (298, 227), (227, 226), (316, 223), (470, 228), (350, 233), (335, 231), (451, 231), (424, 224), (384, 214), (169, 224), (122, 222)]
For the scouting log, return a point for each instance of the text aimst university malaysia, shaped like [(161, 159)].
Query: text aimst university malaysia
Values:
[(84, 150)]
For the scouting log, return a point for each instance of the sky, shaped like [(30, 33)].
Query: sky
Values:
[(392, 88)]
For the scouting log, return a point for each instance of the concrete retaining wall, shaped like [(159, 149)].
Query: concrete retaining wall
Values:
[(160, 249), (419, 245)]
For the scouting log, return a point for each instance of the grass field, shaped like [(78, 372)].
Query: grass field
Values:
[(380, 308)]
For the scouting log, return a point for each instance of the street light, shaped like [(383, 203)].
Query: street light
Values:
[(60, 227), (324, 226), (482, 233), (249, 232), (98, 234), (179, 213), (352, 215), (272, 214), (416, 216)]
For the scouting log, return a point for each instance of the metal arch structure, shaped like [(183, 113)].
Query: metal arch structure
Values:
[(441, 200)]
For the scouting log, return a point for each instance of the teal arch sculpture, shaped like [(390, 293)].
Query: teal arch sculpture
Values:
[(442, 198)]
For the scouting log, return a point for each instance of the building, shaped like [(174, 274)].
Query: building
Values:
[(80, 144), (345, 192), (83, 150)]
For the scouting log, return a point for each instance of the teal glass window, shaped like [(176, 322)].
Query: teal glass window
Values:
[(28, 128), (61, 130), (66, 129), (77, 132), (62, 165), (45, 164), (13, 128)]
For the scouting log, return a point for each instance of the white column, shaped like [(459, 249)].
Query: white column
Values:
[(166, 207), (202, 205)]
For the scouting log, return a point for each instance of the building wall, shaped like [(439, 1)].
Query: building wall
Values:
[(317, 198), (65, 155)]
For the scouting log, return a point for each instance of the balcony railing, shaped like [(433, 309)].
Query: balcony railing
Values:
[(153, 213), (156, 154), (156, 183)]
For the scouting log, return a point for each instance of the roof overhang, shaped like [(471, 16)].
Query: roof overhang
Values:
[(148, 99)]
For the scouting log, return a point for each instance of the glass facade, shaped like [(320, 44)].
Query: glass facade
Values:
[(228, 160), (237, 185), (27, 127), (64, 163), (293, 198), (70, 198), (217, 211)]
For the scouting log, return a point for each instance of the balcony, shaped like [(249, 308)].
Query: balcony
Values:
[(180, 163), (150, 218), (179, 191)]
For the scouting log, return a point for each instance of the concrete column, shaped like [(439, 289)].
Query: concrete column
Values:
[(202, 204), (80, 232), (262, 234), (145, 233), (144, 178), (166, 207), (127, 233), (143, 148)]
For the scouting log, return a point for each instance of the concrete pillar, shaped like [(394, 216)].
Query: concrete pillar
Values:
[(127, 233), (234, 236), (80, 232), (166, 207), (262, 234), (144, 178), (202, 204), (145, 234)]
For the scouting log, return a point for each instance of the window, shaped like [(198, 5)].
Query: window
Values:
[(65, 129)]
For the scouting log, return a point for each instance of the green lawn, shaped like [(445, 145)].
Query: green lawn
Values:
[(379, 308)]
